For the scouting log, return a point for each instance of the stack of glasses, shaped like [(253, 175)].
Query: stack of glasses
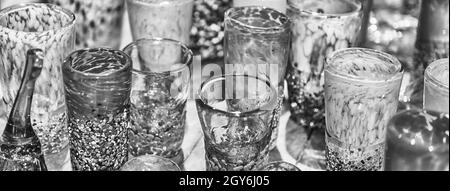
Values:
[(126, 109)]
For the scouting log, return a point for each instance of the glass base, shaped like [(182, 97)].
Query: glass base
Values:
[(59, 161)]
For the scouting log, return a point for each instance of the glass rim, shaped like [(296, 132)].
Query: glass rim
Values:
[(67, 62), (397, 75), (432, 78), (18, 7), (141, 2), (280, 27), (271, 104), (154, 156), (184, 47), (353, 13)]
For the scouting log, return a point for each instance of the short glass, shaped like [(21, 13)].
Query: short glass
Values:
[(98, 85), (436, 97), (236, 112), (170, 19), (418, 140), (160, 90), (279, 166), (257, 43), (150, 163), (99, 23), (51, 29), (361, 95)]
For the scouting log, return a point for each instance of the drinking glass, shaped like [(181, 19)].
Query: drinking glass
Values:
[(99, 22), (160, 90), (436, 97), (257, 43), (236, 112), (150, 163), (319, 28), (170, 19), (418, 140), (98, 84), (51, 29), (361, 95)]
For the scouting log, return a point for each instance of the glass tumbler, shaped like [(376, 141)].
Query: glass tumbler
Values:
[(319, 27), (361, 95), (99, 22), (98, 85), (51, 29), (257, 42), (160, 90), (170, 19), (418, 140), (436, 97), (235, 113)]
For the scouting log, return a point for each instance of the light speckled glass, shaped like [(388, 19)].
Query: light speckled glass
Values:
[(361, 95), (52, 29), (99, 22)]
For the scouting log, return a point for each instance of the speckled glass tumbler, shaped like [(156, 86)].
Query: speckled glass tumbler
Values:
[(236, 112), (257, 42), (319, 28), (170, 19), (436, 97), (99, 22), (161, 86), (98, 84), (361, 95), (50, 28)]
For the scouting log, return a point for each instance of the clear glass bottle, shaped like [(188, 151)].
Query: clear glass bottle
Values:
[(20, 149)]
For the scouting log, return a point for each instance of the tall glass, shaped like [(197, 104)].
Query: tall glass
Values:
[(361, 95), (279, 5), (436, 97), (161, 87), (319, 27), (97, 85), (51, 29), (257, 43), (418, 140), (170, 19), (99, 23), (236, 112)]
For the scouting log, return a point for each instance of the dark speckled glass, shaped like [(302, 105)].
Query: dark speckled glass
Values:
[(46, 27), (99, 22), (98, 84)]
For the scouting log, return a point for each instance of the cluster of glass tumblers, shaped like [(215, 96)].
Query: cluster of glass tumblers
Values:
[(109, 106)]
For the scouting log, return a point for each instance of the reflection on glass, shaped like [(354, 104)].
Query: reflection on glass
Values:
[(161, 87), (361, 95), (97, 85), (236, 112)]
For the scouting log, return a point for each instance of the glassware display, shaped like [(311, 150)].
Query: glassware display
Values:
[(50, 28), (170, 19), (98, 23), (319, 28), (20, 149), (361, 95), (257, 43), (436, 97), (236, 112), (432, 43), (207, 32), (279, 5), (160, 90), (98, 84), (418, 140), (279, 166), (150, 163)]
